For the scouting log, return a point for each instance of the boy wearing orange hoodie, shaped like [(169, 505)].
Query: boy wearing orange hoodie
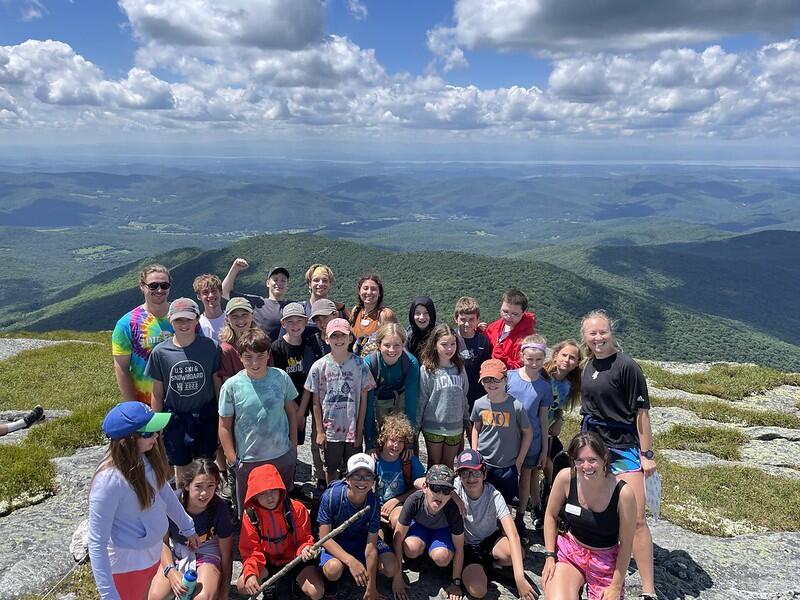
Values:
[(275, 529)]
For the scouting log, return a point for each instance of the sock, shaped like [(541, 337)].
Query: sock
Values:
[(16, 425)]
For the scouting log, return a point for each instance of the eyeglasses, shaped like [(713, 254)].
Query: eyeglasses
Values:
[(361, 476), (146, 434), (443, 490), (164, 285), (470, 473)]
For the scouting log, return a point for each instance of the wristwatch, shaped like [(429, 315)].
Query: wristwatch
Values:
[(552, 555), (648, 454), (457, 581)]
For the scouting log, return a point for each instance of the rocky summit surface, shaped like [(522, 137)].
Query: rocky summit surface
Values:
[(36, 549)]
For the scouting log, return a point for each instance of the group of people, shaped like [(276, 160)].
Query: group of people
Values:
[(219, 399)]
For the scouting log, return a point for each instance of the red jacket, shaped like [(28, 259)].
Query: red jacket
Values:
[(508, 349), (273, 546)]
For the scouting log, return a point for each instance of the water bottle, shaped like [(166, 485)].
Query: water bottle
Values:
[(189, 580)]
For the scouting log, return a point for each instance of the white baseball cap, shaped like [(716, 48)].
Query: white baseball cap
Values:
[(360, 461)]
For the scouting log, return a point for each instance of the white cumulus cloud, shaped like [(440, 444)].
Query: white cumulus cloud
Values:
[(289, 24)]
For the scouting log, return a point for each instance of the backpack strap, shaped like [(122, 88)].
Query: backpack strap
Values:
[(407, 474), (374, 365)]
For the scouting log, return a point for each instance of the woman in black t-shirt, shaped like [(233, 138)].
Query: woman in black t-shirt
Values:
[(615, 405)]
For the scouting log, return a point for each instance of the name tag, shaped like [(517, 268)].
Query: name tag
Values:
[(573, 510)]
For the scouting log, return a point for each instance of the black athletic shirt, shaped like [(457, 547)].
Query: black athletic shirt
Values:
[(595, 529), (612, 390)]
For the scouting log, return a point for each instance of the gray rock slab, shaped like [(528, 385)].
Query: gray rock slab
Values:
[(662, 418), (784, 398), (760, 565), (36, 538), (689, 458)]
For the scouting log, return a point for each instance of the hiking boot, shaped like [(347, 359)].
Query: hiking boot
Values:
[(37, 414)]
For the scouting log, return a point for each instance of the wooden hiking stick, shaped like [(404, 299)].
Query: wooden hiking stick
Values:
[(287, 567)]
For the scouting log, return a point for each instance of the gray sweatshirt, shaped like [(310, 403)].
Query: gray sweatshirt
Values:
[(442, 402)]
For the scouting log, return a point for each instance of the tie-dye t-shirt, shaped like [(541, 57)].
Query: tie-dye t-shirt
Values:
[(136, 334), (258, 408), (339, 387)]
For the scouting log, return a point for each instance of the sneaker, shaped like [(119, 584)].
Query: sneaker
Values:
[(648, 597), (538, 518), (37, 414)]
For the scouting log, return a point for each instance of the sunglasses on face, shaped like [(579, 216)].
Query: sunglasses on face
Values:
[(443, 490), (491, 380), (146, 434), (164, 285), (361, 477)]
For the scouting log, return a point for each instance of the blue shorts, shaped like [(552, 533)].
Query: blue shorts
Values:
[(505, 480), (534, 450), (432, 538), (624, 460), (190, 435), (356, 552)]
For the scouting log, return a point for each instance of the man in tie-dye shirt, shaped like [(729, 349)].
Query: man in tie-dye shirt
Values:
[(138, 332)]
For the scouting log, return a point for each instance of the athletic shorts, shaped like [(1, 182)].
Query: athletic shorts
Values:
[(133, 585), (356, 552), (432, 538), (481, 553), (336, 454), (505, 480), (624, 460), (190, 435), (596, 566), (447, 440)]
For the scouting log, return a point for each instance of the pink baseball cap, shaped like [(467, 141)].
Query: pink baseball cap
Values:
[(337, 325)]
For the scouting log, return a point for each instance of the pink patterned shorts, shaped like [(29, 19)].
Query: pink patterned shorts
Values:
[(596, 566)]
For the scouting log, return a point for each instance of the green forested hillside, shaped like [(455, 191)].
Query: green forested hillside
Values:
[(649, 328), (753, 278)]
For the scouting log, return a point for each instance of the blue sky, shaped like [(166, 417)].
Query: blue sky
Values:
[(506, 77)]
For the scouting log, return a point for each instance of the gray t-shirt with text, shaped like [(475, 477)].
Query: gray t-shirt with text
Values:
[(186, 373), (501, 426)]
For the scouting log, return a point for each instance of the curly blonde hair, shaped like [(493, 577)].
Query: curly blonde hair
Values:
[(394, 426)]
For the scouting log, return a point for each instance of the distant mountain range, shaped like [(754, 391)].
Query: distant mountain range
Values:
[(702, 301)]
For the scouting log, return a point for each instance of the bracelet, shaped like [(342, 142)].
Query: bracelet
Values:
[(167, 569), (552, 555), (235, 463)]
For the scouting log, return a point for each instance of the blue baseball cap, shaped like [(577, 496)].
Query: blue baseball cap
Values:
[(130, 417)]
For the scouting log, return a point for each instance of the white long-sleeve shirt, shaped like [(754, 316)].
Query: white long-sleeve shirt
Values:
[(122, 536)]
